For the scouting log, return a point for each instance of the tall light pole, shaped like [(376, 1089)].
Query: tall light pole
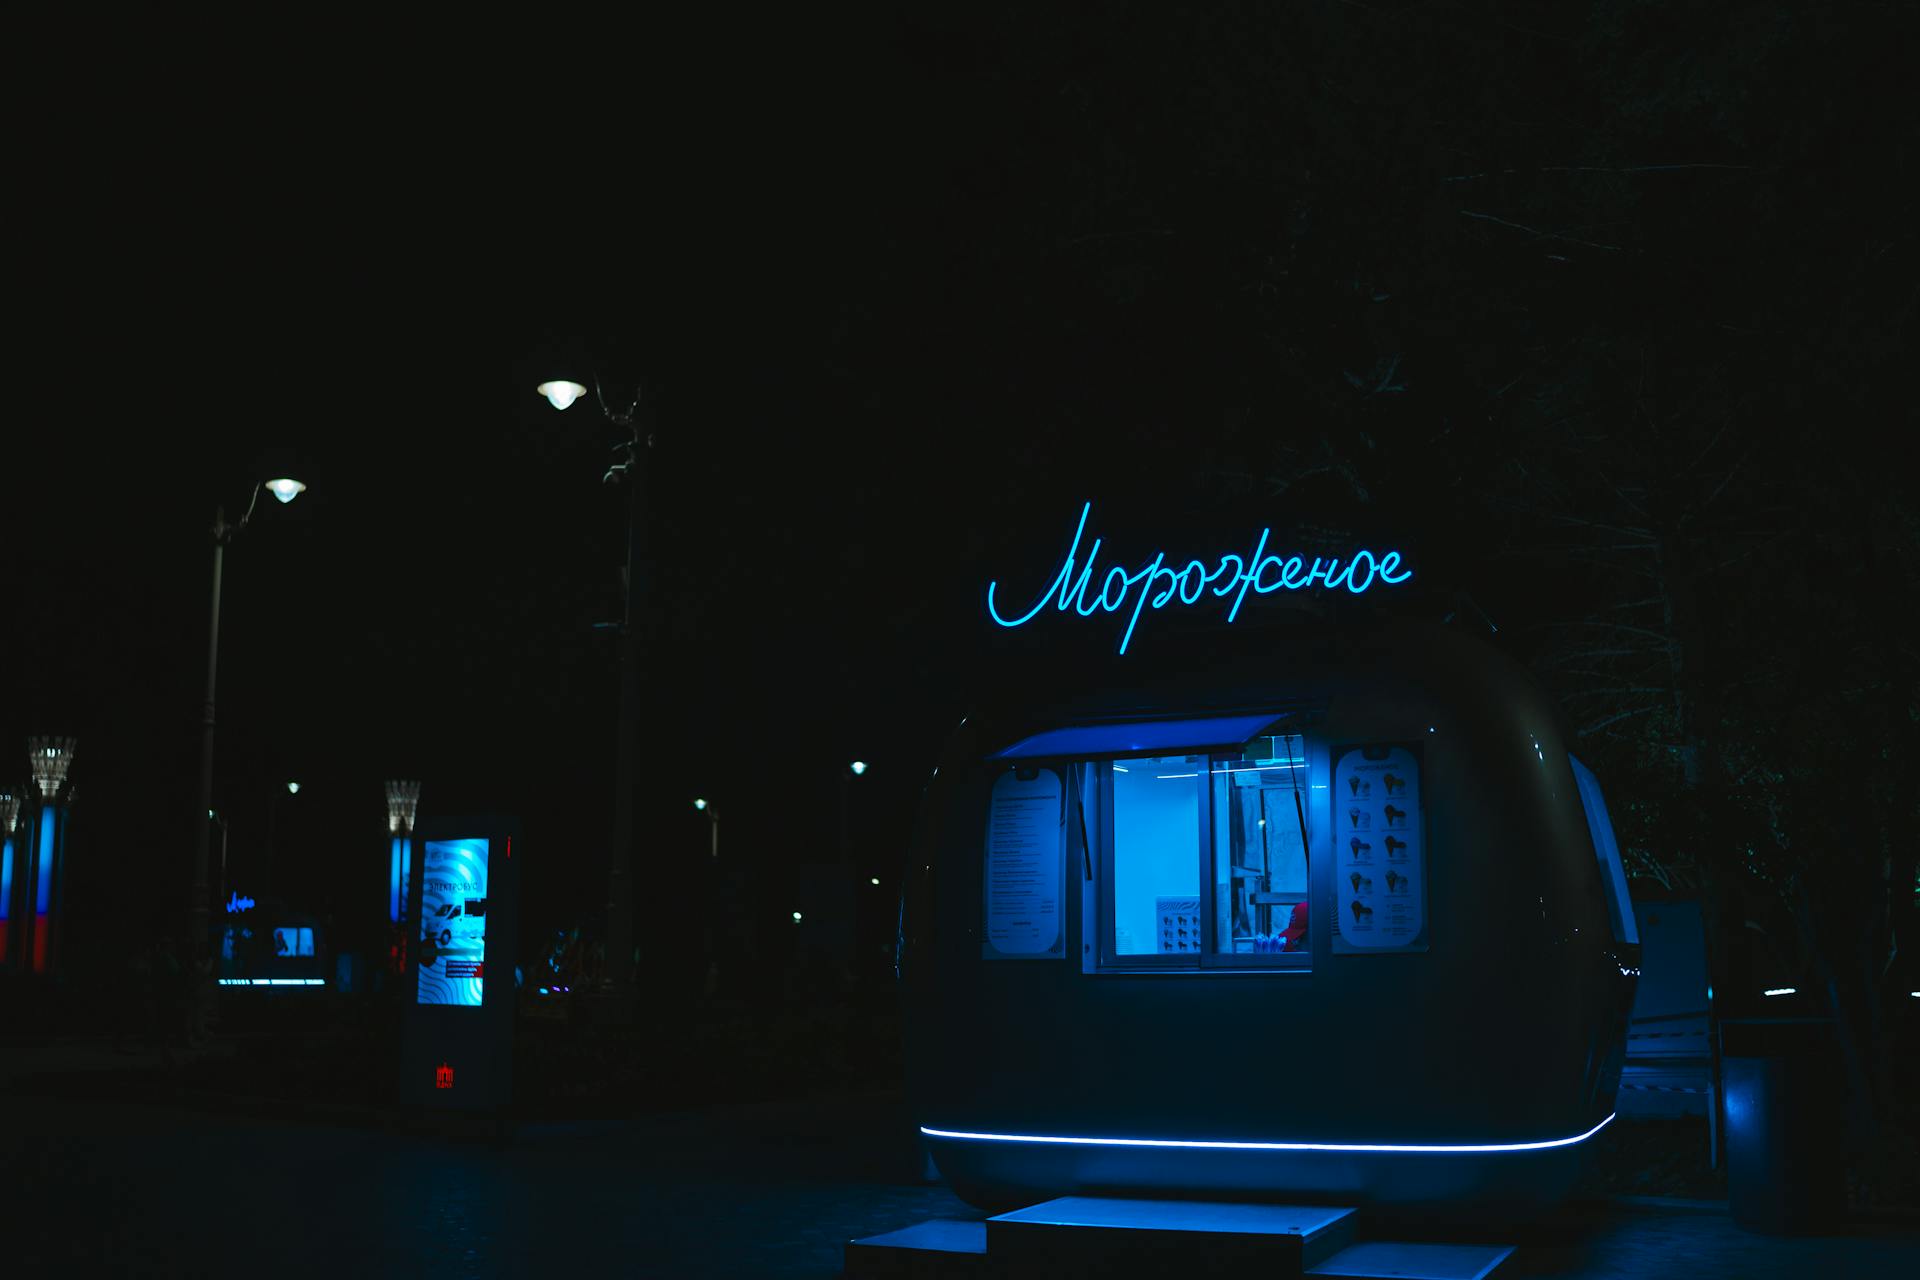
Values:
[(856, 769), (50, 759), (199, 935), (629, 465), (713, 822), (9, 816)]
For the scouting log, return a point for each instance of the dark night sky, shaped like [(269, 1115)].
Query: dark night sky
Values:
[(902, 297)]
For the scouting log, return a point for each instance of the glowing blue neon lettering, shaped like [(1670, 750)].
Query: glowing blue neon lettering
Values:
[(1262, 572), (236, 904)]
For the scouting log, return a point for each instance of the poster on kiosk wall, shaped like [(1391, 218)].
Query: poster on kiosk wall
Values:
[(458, 1045), (1379, 850)]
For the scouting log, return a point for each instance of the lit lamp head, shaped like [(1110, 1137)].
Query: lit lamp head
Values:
[(561, 393), (50, 758), (9, 814), (284, 489), (701, 805), (293, 788), (403, 802), (859, 767)]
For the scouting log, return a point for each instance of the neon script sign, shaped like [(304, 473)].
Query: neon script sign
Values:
[(1261, 572)]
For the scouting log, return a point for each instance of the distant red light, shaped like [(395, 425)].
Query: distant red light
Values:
[(443, 1076)]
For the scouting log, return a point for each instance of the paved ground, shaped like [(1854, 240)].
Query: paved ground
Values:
[(771, 1190)]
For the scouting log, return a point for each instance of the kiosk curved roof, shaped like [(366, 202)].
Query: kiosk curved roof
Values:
[(1139, 736)]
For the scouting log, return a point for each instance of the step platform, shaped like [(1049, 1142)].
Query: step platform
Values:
[(1115, 1237), (1394, 1260)]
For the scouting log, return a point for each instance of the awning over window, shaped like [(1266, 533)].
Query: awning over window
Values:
[(1140, 737)]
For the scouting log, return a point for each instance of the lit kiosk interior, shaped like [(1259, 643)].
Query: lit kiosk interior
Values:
[(1331, 916)]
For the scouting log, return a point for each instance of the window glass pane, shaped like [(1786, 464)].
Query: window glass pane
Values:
[(1260, 848), (1156, 855)]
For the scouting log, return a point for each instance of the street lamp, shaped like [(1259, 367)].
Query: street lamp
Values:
[(50, 760), (561, 393), (713, 822), (198, 935), (629, 464), (856, 769)]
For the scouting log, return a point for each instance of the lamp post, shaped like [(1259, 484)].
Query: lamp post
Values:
[(629, 465), (51, 759), (856, 769), (198, 933), (403, 803), (713, 822), (273, 825), (9, 816)]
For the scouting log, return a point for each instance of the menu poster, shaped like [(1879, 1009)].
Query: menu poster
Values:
[(1380, 850), (1026, 857)]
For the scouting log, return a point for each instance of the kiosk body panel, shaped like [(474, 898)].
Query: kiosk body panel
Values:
[(1468, 1061)]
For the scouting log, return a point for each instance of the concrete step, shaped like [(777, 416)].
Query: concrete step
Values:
[(1091, 1235), (1392, 1260), (937, 1249)]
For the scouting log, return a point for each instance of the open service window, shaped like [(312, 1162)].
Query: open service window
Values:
[(1198, 841)]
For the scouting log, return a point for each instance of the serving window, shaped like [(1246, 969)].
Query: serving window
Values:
[(1202, 859)]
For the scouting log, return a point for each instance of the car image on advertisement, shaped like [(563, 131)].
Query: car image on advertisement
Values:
[(456, 920)]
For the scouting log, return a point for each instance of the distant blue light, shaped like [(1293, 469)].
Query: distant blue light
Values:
[(395, 900), (1388, 1148), (273, 982), (6, 876), (43, 894), (1193, 579)]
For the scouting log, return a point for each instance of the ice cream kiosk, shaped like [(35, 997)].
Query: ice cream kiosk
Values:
[(1330, 912)]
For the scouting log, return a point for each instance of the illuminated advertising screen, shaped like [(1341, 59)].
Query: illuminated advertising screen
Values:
[(453, 922)]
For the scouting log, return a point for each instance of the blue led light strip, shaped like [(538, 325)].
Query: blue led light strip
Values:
[(1191, 582), (1384, 1147)]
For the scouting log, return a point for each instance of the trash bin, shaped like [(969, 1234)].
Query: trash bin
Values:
[(1785, 1121)]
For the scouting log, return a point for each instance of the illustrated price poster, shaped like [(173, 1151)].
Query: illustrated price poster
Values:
[(1380, 850), (1026, 856)]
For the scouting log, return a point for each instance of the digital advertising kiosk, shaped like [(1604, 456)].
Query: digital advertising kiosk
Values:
[(1329, 912), (458, 988)]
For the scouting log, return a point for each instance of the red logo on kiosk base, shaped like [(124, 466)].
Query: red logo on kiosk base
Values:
[(443, 1076)]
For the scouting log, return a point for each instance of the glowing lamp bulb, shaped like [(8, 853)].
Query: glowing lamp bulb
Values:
[(700, 805), (284, 489), (293, 788), (561, 394), (796, 917), (873, 879), (859, 767)]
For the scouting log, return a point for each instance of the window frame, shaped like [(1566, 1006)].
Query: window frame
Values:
[(1097, 937)]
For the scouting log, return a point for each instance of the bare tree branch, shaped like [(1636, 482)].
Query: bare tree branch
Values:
[(1537, 233)]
